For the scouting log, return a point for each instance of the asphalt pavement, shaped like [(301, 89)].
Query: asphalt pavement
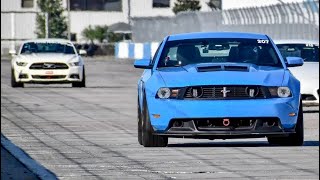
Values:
[(91, 133)]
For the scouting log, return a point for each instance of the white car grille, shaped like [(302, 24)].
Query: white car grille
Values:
[(49, 66)]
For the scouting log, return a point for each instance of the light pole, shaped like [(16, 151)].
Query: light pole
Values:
[(68, 8), (47, 24), (129, 12), (13, 31)]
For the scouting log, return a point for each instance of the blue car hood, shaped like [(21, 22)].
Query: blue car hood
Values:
[(254, 75)]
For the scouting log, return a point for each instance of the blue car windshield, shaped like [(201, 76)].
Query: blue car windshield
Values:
[(219, 50), (33, 47), (308, 52)]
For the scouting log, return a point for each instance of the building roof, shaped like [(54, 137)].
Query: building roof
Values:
[(120, 28)]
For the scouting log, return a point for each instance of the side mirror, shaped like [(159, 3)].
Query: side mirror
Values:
[(12, 52), (142, 64), (83, 52), (294, 61)]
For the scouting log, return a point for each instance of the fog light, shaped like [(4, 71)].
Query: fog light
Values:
[(292, 114), (74, 76), (23, 76), (156, 115), (178, 123)]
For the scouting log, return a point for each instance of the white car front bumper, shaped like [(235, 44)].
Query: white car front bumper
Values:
[(26, 75)]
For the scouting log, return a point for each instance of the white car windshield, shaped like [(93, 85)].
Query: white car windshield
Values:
[(44, 47), (308, 52)]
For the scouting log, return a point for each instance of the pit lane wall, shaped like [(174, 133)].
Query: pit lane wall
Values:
[(127, 50)]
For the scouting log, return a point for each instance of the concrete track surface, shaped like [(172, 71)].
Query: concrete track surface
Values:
[(91, 133)]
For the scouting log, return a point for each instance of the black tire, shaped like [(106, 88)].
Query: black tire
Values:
[(14, 83), (295, 139), (83, 82), (148, 139), (139, 125)]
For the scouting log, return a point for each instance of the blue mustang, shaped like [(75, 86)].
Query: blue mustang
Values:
[(219, 85)]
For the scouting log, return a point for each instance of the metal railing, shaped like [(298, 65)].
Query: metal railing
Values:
[(281, 21)]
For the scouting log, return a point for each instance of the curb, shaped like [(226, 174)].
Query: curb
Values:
[(26, 160)]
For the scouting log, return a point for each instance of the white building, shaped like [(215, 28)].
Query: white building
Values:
[(82, 14)]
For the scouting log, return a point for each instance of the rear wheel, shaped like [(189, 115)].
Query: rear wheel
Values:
[(295, 139), (148, 139), (81, 83), (14, 83)]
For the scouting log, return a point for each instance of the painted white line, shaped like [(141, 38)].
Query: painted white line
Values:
[(25, 159)]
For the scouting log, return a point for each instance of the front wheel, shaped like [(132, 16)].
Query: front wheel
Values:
[(139, 125), (148, 139), (14, 83), (295, 139), (81, 83)]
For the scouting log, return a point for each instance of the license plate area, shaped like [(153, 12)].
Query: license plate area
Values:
[(49, 72)]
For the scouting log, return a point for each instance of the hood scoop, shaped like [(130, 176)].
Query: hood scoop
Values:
[(222, 68)]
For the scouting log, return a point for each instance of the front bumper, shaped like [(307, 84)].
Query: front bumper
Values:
[(259, 127), (275, 108), (72, 74)]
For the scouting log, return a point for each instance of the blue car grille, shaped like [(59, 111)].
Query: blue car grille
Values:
[(224, 92)]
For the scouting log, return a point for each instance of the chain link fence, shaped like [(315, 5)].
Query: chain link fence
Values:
[(281, 21)]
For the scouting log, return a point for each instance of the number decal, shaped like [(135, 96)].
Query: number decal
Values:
[(263, 41), (309, 45)]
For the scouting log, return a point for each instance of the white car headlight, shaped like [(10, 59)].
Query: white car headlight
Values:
[(76, 63), (20, 63), (164, 93)]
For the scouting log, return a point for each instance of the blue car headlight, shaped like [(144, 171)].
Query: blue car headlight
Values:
[(281, 92), (165, 93)]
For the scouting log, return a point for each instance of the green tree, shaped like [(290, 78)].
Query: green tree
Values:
[(97, 33), (114, 37), (89, 33), (186, 5), (214, 4), (100, 33), (57, 21)]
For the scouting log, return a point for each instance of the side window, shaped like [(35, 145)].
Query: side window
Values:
[(27, 3), (155, 54), (172, 54)]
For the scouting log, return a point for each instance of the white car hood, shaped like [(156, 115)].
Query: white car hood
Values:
[(46, 57)]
